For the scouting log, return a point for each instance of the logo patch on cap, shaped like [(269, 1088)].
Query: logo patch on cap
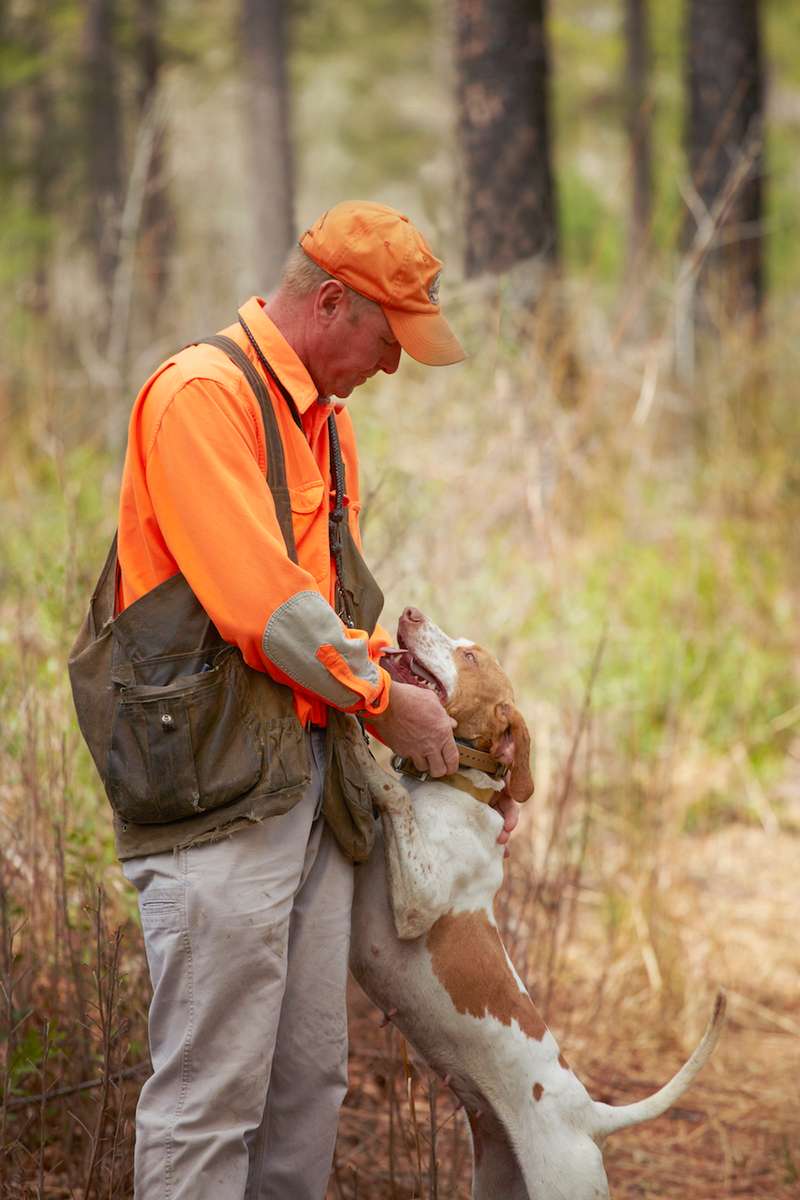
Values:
[(433, 290)]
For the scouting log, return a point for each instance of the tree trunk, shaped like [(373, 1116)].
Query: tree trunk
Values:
[(725, 147), (502, 77), (157, 229), (44, 163), (103, 131), (638, 117), (268, 137), (5, 144)]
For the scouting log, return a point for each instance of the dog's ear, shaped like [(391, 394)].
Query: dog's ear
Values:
[(511, 745)]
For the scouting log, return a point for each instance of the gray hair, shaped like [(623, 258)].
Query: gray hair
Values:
[(302, 276)]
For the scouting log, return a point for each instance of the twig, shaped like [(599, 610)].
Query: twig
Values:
[(391, 1097), (761, 1010), (45, 1056), (8, 983), (433, 1174), (412, 1106), (106, 973)]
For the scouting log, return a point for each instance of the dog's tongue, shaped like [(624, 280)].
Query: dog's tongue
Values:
[(403, 667), (398, 664)]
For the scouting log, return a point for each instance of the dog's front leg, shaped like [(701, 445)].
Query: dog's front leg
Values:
[(419, 879)]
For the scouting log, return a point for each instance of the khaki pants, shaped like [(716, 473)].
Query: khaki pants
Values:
[(247, 942)]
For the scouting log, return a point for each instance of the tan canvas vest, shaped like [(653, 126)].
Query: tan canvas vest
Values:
[(188, 740)]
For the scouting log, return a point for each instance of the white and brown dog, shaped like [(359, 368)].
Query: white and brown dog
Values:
[(426, 949)]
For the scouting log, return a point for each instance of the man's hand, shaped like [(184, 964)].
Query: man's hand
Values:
[(417, 727)]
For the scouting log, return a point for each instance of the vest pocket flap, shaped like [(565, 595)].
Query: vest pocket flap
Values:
[(182, 749), (306, 499), (173, 674)]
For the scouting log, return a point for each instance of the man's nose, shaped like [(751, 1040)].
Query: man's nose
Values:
[(390, 360)]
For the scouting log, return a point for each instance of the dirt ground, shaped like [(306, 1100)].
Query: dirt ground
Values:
[(732, 899)]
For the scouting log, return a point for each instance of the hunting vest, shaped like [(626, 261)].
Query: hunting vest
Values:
[(189, 741)]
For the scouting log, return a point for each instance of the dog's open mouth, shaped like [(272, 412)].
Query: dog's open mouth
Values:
[(403, 667)]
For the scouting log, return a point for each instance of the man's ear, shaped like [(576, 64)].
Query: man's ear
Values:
[(328, 299), (512, 745)]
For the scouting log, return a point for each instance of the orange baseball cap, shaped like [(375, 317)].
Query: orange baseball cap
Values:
[(377, 252)]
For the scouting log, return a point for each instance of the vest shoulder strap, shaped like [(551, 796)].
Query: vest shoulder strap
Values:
[(276, 463)]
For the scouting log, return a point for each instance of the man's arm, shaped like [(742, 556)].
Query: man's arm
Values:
[(217, 518)]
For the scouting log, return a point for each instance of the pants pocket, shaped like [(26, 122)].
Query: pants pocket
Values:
[(162, 908), (182, 748)]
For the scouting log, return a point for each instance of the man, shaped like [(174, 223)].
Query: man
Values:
[(247, 933)]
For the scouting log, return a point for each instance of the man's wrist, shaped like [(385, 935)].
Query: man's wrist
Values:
[(378, 704)]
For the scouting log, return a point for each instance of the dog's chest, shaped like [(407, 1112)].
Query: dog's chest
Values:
[(459, 837)]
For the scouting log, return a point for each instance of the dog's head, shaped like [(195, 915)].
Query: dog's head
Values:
[(472, 686)]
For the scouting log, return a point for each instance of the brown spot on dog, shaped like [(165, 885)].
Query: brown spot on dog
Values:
[(562, 1062), (387, 787), (482, 704), (470, 963), (481, 684), (538, 1091)]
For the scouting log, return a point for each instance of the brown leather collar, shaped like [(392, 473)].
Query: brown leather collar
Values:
[(468, 756)]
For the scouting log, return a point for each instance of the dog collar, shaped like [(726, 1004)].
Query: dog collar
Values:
[(468, 756)]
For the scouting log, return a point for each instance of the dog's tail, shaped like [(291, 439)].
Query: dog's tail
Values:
[(610, 1117)]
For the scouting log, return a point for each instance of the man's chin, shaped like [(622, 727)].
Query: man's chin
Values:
[(343, 392)]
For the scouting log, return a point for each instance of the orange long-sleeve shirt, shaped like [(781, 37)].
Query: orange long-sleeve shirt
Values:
[(195, 500)]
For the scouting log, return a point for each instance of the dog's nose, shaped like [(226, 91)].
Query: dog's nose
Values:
[(414, 615)]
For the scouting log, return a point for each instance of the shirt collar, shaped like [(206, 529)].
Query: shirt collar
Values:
[(279, 354)]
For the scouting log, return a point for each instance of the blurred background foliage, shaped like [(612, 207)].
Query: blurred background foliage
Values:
[(617, 464)]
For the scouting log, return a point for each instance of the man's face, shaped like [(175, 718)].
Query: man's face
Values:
[(349, 343)]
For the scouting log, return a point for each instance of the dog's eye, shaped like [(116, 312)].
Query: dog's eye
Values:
[(470, 657)]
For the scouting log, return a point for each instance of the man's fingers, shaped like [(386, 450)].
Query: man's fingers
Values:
[(420, 762), (437, 764), (450, 755)]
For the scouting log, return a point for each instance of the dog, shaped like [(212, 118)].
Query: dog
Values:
[(426, 950)]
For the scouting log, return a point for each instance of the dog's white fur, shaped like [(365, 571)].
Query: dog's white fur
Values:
[(423, 932)]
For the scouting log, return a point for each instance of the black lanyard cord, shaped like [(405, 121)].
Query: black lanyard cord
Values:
[(283, 390)]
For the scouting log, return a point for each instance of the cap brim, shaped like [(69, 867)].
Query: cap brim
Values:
[(426, 337)]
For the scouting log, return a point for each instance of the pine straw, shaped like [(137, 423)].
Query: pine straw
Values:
[(731, 906)]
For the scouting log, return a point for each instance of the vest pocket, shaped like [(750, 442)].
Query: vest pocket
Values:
[(183, 748)]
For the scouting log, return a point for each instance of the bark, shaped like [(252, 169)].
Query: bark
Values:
[(158, 217), (44, 164), (638, 119), (5, 157), (724, 138), (502, 80), (103, 131), (267, 111)]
